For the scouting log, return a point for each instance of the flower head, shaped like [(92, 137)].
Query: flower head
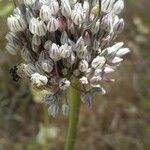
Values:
[(62, 39)]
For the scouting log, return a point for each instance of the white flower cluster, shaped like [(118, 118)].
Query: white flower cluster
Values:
[(59, 39)]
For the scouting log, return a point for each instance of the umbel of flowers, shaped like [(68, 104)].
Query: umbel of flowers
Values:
[(63, 39)]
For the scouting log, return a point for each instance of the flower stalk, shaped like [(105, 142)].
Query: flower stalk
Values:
[(74, 103)]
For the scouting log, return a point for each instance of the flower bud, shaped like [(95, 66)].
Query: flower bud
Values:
[(107, 5), (53, 25), (26, 55), (37, 27), (36, 40), (43, 55), (118, 6), (12, 49), (45, 13), (26, 70), (107, 22), (95, 28), (86, 6), (77, 14), (64, 83), (38, 67), (121, 52), (16, 23), (48, 45), (17, 11), (87, 37), (65, 8), (98, 62), (95, 80), (119, 26), (116, 47), (13, 38), (96, 45), (64, 37), (98, 88), (54, 52), (29, 15), (83, 66), (54, 7), (54, 109), (82, 53), (29, 2), (108, 69), (88, 98), (72, 2), (38, 80), (116, 60), (70, 60), (47, 65), (65, 51), (50, 99), (79, 44), (35, 48)]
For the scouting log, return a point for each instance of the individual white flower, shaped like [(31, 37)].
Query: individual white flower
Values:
[(38, 80), (54, 52), (83, 65), (118, 26), (64, 83), (48, 45), (64, 37), (16, 23), (45, 13), (53, 24), (107, 22), (65, 51), (116, 60), (47, 65), (54, 109), (26, 55), (77, 14), (84, 80), (98, 62), (12, 49), (29, 2), (123, 51), (107, 5), (65, 8), (37, 27), (36, 40), (118, 6), (54, 6)]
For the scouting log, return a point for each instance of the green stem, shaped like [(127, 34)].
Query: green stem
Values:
[(46, 146), (74, 104)]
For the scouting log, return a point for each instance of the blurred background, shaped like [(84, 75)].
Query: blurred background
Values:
[(120, 120)]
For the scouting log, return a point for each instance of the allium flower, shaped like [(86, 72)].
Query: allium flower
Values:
[(62, 39)]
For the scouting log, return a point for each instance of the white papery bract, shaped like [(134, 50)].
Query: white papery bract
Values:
[(62, 40)]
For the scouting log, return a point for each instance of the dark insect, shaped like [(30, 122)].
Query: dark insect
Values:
[(13, 72)]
